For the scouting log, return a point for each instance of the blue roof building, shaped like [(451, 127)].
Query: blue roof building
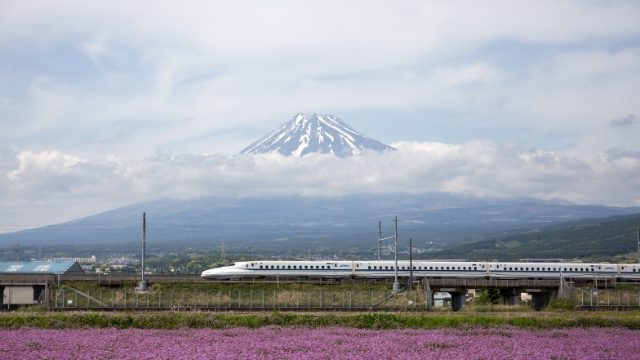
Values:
[(40, 267)]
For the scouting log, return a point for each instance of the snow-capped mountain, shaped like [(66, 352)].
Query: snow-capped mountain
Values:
[(315, 133)]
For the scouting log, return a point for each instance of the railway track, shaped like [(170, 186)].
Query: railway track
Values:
[(119, 279)]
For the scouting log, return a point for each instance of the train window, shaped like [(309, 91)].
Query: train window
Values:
[(475, 268), (634, 270), (369, 267), (260, 266), (430, 267), (386, 267), (306, 266), (447, 268), (289, 267), (537, 269), (322, 267)]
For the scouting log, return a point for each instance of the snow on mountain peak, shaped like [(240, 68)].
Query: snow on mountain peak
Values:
[(315, 133)]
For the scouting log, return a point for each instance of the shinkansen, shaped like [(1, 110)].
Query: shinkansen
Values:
[(386, 269)]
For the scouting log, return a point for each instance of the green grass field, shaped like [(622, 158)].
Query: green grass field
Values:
[(428, 320)]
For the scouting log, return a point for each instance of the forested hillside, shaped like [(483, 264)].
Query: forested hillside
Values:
[(594, 239)]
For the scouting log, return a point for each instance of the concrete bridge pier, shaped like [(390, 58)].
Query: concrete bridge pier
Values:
[(458, 299), (510, 296), (541, 298), (428, 293)]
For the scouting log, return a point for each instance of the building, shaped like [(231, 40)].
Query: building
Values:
[(26, 283), (80, 260)]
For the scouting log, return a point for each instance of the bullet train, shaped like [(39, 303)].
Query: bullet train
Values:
[(422, 268)]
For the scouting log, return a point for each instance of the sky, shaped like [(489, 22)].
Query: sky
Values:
[(107, 103)]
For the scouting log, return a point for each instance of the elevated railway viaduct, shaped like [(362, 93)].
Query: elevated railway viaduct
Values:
[(541, 291)]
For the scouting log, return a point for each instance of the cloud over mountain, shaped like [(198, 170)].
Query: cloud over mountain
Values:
[(51, 181)]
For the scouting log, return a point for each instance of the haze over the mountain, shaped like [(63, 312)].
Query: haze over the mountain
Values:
[(315, 133), (282, 223)]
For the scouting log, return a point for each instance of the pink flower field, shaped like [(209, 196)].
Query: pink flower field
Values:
[(321, 343)]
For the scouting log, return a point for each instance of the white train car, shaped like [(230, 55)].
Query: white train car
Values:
[(422, 268)]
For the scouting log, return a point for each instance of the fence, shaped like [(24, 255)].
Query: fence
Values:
[(341, 299), (242, 300), (606, 298)]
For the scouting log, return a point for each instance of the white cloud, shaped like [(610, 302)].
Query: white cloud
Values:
[(64, 186), (105, 83), (475, 73), (179, 71), (48, 162)]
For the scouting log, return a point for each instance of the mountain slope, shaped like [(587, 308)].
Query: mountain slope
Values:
[(293, 222), (315, 133), (590, 238)]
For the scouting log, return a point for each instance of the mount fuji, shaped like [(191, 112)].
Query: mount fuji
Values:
[(315, 133)]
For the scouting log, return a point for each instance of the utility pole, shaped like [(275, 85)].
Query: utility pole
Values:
[(379, 238), (638, 244), (142, 286), (396, 284), (410, 263)]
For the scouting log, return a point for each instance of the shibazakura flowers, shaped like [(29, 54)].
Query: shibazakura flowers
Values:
[(321, 343)]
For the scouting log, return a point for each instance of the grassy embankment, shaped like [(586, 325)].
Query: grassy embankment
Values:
[(176, 320)]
